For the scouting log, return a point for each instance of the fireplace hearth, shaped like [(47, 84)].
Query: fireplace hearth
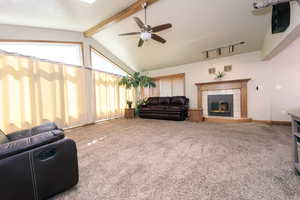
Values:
[(220, 105)]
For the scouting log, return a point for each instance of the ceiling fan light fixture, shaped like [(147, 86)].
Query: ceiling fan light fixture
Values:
[(146, 31), (145, 35)]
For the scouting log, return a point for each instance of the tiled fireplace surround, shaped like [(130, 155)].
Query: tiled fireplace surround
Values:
[(236, 101), (238, 88)]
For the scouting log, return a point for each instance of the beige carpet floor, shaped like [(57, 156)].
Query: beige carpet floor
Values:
[(167, 160)]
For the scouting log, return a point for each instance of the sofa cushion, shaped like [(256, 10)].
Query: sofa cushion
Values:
[(164, 100), (154, 108), (178, 101), (176, 108), (3, 138), (153, 101)]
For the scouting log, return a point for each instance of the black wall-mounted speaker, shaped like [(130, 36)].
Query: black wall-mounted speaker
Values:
[(281, 16)]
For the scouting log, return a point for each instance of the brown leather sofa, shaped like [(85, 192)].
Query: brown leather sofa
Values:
[(37, 163), (169, 108)]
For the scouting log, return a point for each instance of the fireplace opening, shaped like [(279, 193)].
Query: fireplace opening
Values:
[(220, 105)]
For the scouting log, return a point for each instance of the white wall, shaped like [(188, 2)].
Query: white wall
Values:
[(278, 78)]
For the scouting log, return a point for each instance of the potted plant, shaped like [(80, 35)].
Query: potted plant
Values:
[(138, 82), (129, 103)]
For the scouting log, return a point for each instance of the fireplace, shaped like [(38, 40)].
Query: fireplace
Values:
[(220, 105), (230, 110)]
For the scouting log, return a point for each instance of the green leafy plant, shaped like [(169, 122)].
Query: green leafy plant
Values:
[(138, 82), (139, 105), (129, 103)]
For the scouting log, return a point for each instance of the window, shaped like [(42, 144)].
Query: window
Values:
[(101, 63), (173, 85), (34, 92), (68, 53)]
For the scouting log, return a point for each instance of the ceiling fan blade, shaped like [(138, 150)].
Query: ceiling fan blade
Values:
[(133, 33), (141, 42), (161, 28), (158, 38), (139, 22)]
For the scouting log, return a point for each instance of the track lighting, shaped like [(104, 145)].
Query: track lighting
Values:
[(231, 49), (206, 54)]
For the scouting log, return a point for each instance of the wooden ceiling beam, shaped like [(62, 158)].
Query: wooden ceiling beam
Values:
[(132, 9)]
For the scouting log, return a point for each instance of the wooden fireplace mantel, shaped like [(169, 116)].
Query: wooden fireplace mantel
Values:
[(226, 85)]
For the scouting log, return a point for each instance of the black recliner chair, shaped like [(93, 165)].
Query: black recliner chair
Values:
[(37, 163)]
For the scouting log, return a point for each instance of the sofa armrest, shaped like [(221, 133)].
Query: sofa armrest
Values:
[(31, 132), (25, 144), (187, 102)]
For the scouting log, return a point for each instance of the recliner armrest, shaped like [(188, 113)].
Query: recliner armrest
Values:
[(31, 132), (21, 145)]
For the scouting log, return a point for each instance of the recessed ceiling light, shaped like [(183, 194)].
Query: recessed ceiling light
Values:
[(88, 1)]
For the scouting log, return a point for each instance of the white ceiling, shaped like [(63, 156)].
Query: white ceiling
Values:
[(197, 25), (59, 14)]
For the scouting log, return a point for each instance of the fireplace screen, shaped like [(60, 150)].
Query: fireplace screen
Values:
[(220, 105)]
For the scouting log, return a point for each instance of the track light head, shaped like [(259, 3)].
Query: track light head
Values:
[(206, 54), (231, 48), (219, 51)]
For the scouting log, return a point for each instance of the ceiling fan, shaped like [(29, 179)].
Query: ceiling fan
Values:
[(147, 32)]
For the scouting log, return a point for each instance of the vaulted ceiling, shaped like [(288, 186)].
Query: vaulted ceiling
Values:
[(198, 25)]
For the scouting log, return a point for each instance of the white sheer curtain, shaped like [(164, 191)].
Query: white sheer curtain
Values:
[(110, 97), (151, 92), (173, 85), (165, 87), (34, 91), (178, 86)]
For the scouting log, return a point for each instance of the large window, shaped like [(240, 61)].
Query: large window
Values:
[(101, 63), (110, 97), (173, 85), (34, 91), (68, 53)]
